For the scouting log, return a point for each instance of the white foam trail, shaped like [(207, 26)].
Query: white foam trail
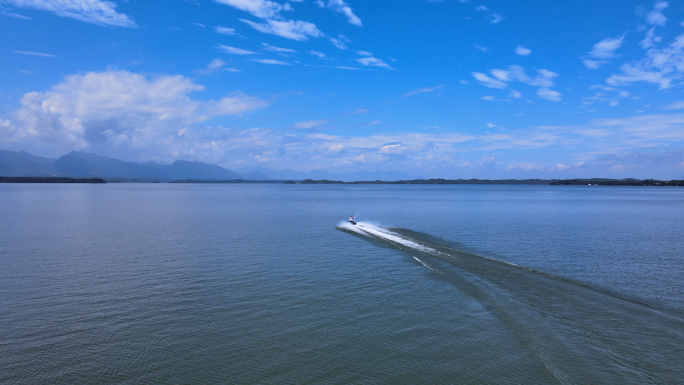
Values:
[(388, 235)]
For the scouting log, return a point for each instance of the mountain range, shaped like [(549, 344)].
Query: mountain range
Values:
[(77, 164)]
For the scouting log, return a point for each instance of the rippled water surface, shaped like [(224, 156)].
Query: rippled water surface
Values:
[(245, 283)]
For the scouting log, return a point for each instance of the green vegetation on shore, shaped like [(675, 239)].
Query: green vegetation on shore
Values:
[(552, 182), (33, 179), (618, 182)]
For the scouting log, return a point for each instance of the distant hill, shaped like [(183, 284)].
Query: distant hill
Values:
[(21, 163), (78, 164)]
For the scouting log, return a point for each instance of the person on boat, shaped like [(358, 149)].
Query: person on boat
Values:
[(351, 220)]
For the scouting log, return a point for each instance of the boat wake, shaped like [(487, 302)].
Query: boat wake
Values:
[(580, 333)]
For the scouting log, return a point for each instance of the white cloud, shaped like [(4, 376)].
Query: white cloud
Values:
[(481, 47), (372, 123), (656, 16), (591, 64), (224, 30), (675, 106), (500, 79), (316, 53), (289, 29), (423, 90), (310, 123), (496, 18), (650, 39), (607, 94), (603, 50), (660, 66), (488, 161), (522, 51), (340, 6), (234, 50), (426, 153), (340, 41), (30, 53), (90, 11), (15, 15), (515, 94), (213, 66), (263, 9), (549, 94), (488, 81), (373, 62), (271, 48), (272, 61), (116, 108), (364, 53), (543, 79)]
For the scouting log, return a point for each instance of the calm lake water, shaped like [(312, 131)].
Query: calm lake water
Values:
[(247, 283)]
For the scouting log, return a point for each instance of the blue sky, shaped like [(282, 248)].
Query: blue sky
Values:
[(452, 88)]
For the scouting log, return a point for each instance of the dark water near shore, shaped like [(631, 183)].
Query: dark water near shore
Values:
[(173, 283)]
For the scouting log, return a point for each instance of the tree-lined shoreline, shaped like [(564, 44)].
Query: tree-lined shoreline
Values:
[(549, 182)]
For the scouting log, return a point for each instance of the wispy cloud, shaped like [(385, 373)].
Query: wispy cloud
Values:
[(493, 17), (372, 123), (522, 51), (549, 94), (310, 123), (337, 67), (660, 66), (224, 30), (423, 90), (263, 9), (90, 11), (234, 50), (30, 53), (603, 50), (214, 65), (656, 17), (488, 81), (500, 79), (271, 48), (272, 61), (340, 41), (481, 48), (340, 6), (15, 15), (289, 29), (316, 53), (496, 18), (373, 62), (675, 106)]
